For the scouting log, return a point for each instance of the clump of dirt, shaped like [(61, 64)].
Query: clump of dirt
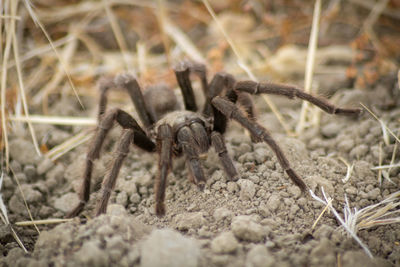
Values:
[(263, 219)]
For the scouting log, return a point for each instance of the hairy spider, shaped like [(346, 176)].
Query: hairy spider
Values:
[(173, 132)]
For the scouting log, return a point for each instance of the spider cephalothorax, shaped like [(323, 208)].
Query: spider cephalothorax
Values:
[(170, 131)]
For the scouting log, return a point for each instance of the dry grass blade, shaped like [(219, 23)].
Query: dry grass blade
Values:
[(32, 13), (241, 63), (321, 214), (381, 122), (4, 217), (378, 214), (68, 145), (182, 41), (67, 55), (42, 222), (55, 120), (312, 48), (119, 36), (20, 78), (382, 167), (349, 169), (5, 58), (328, 201)]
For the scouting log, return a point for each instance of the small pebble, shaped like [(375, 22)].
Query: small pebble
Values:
[(166, 247), (188, 221), (245, 228), (224, 243)]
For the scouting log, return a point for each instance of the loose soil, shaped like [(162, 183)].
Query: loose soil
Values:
[(260, 220)]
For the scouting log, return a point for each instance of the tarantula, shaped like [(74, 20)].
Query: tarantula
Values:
[(190, 132)]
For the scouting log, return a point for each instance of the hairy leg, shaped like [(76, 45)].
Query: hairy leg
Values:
[(292, 92), (164, 143), (182, 73), (218, 142), (126, 121), (109, 182), (258, 133), (188, 144), (130, 84)]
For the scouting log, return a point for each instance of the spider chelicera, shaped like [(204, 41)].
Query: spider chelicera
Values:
[(170, 131)]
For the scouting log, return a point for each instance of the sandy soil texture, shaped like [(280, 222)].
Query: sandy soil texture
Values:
[(260, 220)]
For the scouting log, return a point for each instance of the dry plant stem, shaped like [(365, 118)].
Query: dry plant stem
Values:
[(182, 41), (61, 149), (20, 78), (68, 53), (5, 58), (342, 222), (4, 217), (161, 17), (119, 36), (312, 47), (381, 122), (42, 222), (54, 120), (32, 13), (24, 199)]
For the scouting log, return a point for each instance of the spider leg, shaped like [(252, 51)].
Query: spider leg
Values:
[(292, 92), (182, 73), (218, 142), (188, 144), (259, 133), (109, 183), (200, 70), (130, 84), (126, 121), (164, 143)]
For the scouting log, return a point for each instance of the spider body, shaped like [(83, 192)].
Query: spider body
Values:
[(171, 131)]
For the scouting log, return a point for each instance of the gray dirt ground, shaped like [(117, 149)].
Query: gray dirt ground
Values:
[(260, 220)]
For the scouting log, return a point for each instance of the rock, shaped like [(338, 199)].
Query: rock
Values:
[(247, 189), (345, 145), (122, 198), (91, 255), (188, 221), (324, 231), (116, 210), (374, 193), (222, 213), (30, 172), (166, 247), (295, 191), (31, 195), (359, 151), (56, 173), (66, 202), (142, 179), (224, 243), (274, 202), (351, 190), (245, 228), (323, 254), (318, 181), (359, 258), (24, 152), (259, 256), (135, 198), (127, 186), (331, 129)]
